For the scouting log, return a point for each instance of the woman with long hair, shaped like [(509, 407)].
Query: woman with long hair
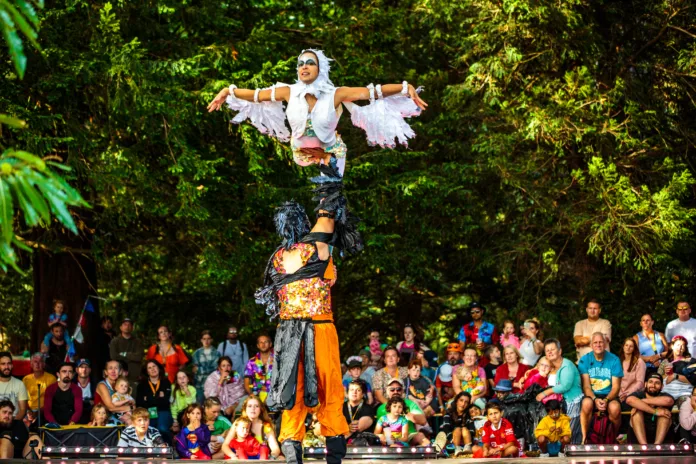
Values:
[(183, 395), (168, 354), (106, 388), (531, 344), (453, 429), (675, 370), (154, 393), (227, 385), (261, 427), (409, 347), (634, 370)]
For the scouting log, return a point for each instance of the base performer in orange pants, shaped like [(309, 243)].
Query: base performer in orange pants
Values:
[(297, 288)]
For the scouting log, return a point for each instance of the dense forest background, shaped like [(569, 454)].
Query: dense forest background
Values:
[(554, 164)]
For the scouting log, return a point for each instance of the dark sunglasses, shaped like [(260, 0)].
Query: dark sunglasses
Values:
[(308, 62), (476, 311)]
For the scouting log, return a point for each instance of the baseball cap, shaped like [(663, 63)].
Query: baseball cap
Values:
[(431, 357), (354, 361), (476, 304), (657, 376), (396, 380), (126, 319), (83, 361), (445, 373)]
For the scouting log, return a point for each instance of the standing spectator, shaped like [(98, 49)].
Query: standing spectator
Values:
[(129, 349), (57, 348), (672, 370), (257, 373), (531, 345), (106, 389), (470, 377), (64, 398), (657, 404), (183, 395), (687, 419), (100, 348), (391, 370), (409, 347), (140, 434), (553, 432), (194, 437), (154, 393), (359, 415), (453, 429), (226, 385), (15, 440), (652, 345), (168, 354), (87, 388), (235, 350), (443, 375), (415, 416), (684, 325), (508, 338), (601, 374), (564, 379), (478, 332), (634, 370), (376, 348), (511, 369), (204, 363), (217, 424), (586, 327), (38, 380), (494, 358), (12, 389)]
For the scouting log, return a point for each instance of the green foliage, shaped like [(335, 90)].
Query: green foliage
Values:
[(19, 17), (553, 164)]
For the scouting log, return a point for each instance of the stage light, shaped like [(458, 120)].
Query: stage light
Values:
[(91, 450), (78, 449), (355, 450), (587, 448), (672, 447), (573, 448), (413, 450), (428, 450), (120, 450), (686, 447), (311, 450), (106, 450), (644, 447), (630, 448), (369, 450), (658, 447), (384, 450), (616, 448), (398, 450), (49, 449), (601, 448)]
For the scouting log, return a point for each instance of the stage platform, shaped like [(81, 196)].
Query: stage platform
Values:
[(583, 460)]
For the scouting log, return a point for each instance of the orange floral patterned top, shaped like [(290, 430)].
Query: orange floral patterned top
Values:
[(304, 298)]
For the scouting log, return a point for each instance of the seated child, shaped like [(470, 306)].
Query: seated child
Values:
[(140, 434), (194, 437), (476, 420), (244, 445), (354, 364), (508, 338), (498, 436), (122, 397), (420, 389), (99, 416), (392, 428), (553, 431)]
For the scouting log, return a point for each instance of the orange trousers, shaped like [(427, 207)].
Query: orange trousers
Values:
[(329, 384)]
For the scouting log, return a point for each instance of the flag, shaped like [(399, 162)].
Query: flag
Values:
[(88, 306), (77, 336)]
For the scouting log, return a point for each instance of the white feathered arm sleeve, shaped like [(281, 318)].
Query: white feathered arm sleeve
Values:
[(383, 119), (267, 117)]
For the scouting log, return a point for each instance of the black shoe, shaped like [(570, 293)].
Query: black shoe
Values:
[(335, 449), (292, 450)]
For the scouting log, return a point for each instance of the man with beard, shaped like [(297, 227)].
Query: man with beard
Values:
[(415, 416), (257, 374), (656, 404), (64, 398), (443, 376), (15, 440), (87, 387), (12, 389), (57, 349)]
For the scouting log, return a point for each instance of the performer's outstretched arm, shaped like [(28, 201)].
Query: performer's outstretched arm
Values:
[(281, 93), (350, 94)]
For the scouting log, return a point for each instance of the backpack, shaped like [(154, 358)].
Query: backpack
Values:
[(602, 431)]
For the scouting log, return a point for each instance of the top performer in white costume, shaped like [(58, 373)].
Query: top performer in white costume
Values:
[(314, 108)]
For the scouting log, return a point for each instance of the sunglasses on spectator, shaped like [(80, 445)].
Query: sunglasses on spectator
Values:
[(683, 308), (232, 331), (394, 390), (476, 311)]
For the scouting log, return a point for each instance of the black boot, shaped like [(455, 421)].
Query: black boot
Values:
[(292, 450), (336, 449)]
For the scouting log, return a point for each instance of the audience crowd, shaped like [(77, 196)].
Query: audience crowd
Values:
[(496, 392)]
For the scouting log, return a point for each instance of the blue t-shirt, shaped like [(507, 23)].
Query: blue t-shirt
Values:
[(601, 372)]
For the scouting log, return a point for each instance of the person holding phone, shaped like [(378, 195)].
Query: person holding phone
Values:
[(531, 344), (227, 385)]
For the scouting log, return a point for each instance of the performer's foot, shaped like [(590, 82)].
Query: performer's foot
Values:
[(336, 448), (292, 450)]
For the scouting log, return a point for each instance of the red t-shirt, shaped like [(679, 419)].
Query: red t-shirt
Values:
[(495, 438)]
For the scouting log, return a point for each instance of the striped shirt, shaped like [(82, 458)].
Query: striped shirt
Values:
[(130, 438)]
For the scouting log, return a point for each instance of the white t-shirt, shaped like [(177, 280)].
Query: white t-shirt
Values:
[(15, 391), (685, 329), (529, 356)]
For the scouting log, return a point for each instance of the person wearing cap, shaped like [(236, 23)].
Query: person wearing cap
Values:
[(415, 416), (354, 364), (366, 370), (64, 398), (478, 333), (683, 325), (651, 413), (128, 348), (586, 327), (37, 382), (601, 373), (443, 375), (87, 387), (390, 371), (674, 369), (502, 389)]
